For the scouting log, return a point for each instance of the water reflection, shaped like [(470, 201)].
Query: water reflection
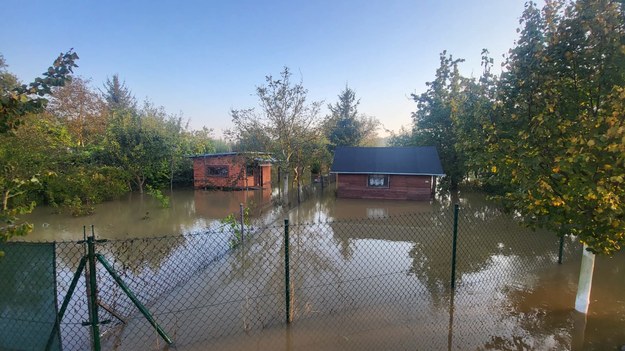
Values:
[(137, 215), (376, 273)]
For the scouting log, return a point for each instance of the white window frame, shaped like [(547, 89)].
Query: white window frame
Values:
[(378, 181)]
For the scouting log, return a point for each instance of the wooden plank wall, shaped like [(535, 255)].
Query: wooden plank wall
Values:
[(401, 187)]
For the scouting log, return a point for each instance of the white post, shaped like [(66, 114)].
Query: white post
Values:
[(585, 281)]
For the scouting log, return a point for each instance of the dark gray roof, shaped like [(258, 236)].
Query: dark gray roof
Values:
[(416, 160), (247, 153)]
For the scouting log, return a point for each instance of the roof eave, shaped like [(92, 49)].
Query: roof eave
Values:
[(390, 173)]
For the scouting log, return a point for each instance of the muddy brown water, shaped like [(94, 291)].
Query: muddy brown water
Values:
[(510, 295), (139, 215)]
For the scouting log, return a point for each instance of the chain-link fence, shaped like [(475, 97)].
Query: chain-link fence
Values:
[(367, 284)]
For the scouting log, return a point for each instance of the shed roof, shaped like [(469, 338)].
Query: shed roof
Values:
[(265, 156), (415, 160)]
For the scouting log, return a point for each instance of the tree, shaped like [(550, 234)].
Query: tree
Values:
[(559, 139), (345, 126), (403, 137), (201, 141), (137, 142), (15, 104), (7, 80), (341, 126), (476, 111), (81, 109), (433, 122), (251, 135), (286, 121), (117, 95)]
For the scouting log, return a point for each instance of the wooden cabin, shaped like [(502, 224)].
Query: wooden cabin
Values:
[(395, 173), (232, 170)]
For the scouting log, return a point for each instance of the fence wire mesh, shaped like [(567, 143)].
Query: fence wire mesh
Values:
[(366, 284)]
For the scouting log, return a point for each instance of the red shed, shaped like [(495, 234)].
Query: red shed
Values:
[(398, 173), (232, 170)]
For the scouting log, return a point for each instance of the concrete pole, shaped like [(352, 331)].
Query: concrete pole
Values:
[(585, 281)]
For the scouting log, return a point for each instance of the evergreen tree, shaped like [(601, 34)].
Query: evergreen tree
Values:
[(117, 95), (342, 127)]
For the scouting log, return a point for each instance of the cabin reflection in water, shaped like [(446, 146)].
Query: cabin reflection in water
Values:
[(219, 204)]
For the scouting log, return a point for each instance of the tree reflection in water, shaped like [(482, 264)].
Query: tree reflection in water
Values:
[(351, 274)]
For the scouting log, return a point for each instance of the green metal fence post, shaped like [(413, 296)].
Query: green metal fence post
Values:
[(93, 288), (560, 250), (68, 297), (287, 276), (87, 281), (453, 252), (242, 224), (134, 298)]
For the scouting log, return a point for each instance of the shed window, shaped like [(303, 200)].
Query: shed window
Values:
[(217, 171), (249, 170), (378, 181)]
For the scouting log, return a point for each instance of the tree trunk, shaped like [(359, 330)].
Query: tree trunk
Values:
[(140, 182), (285, 188), (5, 200)]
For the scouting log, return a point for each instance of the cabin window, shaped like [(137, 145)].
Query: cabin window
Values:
[(249, 170), (377, 181), (217, 171)]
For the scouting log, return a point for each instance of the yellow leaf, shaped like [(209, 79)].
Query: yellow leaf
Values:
[(493, 169)]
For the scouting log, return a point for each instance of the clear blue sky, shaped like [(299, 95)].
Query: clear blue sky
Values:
[(202, 58)]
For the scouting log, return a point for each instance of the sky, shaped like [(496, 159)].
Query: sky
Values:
[(201, 59)]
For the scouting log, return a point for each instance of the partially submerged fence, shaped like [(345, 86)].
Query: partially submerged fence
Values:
[(221, 287)]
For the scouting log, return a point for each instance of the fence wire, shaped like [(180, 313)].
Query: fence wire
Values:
[(367, 284)]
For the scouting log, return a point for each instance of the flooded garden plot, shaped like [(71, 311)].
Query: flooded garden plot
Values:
[(346, 278), (361, 276)]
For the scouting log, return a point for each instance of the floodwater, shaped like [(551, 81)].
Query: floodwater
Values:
[(364, 275), (140, 216)]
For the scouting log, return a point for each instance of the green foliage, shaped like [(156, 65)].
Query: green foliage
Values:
[(548, 135), (16, 102), (81, 110), (232, 223), (286, 124), (137, 144), (84, 147), (557, 143), (158, 195), (345, 126), (78, 187), (14, 204), (402, 138), (28, 99), (118, 97), (77, 207), (433, 122), (7, 80), (475, 111), (342, 127), (220, 145)]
